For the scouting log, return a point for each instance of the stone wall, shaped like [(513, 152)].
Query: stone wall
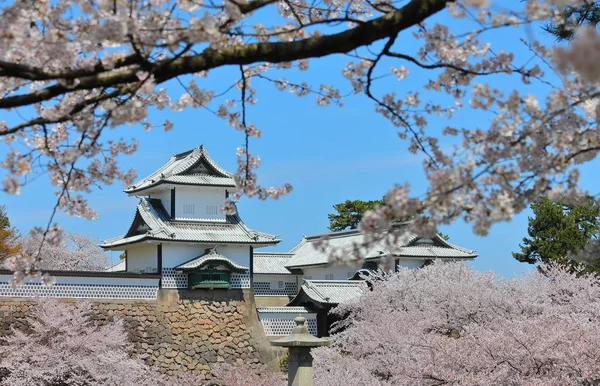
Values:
[(181, 330), (272, 301)]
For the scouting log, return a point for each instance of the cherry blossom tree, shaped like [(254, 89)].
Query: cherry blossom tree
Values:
[(73, 252), (447, 324), (64, 347), (242, 375), (73, 69)]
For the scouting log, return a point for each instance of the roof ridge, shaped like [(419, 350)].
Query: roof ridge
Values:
[(274, 253), (349, 231), (333, 281)]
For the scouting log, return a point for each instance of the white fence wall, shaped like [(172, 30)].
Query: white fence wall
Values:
[(279, 321), (276, 285), (84, 287), (178, 279)]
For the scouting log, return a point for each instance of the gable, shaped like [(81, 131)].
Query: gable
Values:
[(201, 167), (138, 226)]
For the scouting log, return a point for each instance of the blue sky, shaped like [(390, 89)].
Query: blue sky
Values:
[(329, 154)]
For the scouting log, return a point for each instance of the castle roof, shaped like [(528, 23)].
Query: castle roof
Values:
[(407, 246), (152, 222), (329, 292), (193, 167), (210, 258), (272, 263)]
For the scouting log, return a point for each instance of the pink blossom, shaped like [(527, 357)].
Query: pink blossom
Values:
[(449, 324)]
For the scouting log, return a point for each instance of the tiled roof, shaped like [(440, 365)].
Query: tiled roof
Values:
[(193, 167), (408, 245), (151, 212), (283, 310), (331, 291), (433, 251), (271, 263), (210, 256), (305, 253), (119, 267)]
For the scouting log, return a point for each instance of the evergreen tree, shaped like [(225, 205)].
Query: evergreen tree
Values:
[(8, 236), (557, 229), (584, 14), (349, 214)]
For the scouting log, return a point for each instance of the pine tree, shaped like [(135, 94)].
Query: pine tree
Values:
[(556, 230)]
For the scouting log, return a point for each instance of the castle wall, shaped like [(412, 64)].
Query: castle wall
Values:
[(192, 204), (175, 254), (342, 272), (276, 285), (165, 197), (412, 263), (142, 258), (178, 331)]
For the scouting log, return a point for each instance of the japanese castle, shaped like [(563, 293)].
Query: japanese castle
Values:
[(179, 234)]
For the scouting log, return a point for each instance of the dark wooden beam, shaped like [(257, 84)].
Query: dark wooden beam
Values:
[(252, 267), (159, 263), (173, 204)]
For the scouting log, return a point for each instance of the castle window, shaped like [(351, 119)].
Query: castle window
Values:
[(209, 279), (211, 209), (188, 208)]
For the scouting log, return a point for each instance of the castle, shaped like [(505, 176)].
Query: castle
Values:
[(179, 232), (194, 288)]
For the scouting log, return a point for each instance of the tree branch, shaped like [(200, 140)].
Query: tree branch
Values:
[(317, 46)]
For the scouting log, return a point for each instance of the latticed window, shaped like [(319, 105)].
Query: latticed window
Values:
[(211, 209), (209, 279)]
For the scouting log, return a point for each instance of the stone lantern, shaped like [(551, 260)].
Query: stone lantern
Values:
[(299, 343)]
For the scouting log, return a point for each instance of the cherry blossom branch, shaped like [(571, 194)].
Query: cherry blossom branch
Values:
[(316, 46)]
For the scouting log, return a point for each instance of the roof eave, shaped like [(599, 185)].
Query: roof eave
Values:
[(116, 245), (138, 191)]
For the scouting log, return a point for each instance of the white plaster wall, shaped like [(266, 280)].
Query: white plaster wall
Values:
[(338, 272), (117, 281), (275, 279), (411, 263), (280, 324), (238, 253), (201, 198), (176, 254), (165, 198), (141, 258)]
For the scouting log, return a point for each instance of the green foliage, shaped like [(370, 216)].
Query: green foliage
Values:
[(4, 221), (283, 363), (585, 14), (557, 229), (349, 214)]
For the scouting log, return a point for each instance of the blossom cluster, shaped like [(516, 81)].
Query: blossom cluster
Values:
[(449, 324)]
